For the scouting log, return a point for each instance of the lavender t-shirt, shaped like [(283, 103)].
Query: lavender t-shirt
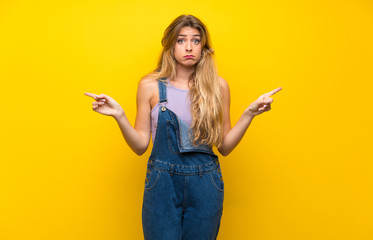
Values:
[(178, 101)]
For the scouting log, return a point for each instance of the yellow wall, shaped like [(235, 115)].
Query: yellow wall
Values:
[(302, 171)]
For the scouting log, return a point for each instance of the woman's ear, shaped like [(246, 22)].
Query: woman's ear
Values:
[(172, 53)]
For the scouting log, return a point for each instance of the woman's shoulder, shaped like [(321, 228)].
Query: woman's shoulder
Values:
[(148, 87), (148, 81), (223, 83)]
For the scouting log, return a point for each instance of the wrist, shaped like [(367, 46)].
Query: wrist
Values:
[(249, 114), (118, 115)]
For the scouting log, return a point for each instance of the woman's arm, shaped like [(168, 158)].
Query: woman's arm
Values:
[(138, 137), (232, 136)]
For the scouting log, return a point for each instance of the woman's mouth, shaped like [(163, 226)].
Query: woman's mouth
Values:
[(188, 56)]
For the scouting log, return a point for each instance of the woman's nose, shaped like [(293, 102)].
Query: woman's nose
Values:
[(189, 46)]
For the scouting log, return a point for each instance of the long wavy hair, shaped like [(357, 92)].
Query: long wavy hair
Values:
[(205, 93)]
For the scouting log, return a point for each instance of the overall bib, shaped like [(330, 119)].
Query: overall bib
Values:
[(184, 188)]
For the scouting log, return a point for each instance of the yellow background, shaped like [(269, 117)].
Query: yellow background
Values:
[(302, 171)]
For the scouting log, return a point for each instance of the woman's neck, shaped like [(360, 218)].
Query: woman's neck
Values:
[(183, 73)]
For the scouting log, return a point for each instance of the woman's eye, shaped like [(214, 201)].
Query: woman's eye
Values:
[(196, 41), (180, 40)]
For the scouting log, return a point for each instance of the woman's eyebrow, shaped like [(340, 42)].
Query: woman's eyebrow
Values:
[(183, 35)]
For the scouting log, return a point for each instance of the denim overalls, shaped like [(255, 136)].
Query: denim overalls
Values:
[(184, 188)]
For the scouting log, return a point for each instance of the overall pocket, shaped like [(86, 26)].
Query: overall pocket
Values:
[(151, 178), (217, 179), (172, 137)]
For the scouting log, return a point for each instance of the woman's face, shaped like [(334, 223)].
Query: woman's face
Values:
[(188, 47)]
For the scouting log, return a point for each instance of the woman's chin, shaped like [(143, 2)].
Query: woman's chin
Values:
[(187, 64)]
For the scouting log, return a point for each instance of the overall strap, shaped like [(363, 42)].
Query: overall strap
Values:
[(162, 90)]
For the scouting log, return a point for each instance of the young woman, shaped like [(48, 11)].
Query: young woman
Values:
[(184, 105)]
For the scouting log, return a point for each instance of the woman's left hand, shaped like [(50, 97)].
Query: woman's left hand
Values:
[(262, 104)]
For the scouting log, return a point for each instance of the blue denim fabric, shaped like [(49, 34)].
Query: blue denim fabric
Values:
[(184, 188)]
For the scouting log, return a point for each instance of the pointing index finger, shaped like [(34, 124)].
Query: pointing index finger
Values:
[(90, 95), (273, 91)]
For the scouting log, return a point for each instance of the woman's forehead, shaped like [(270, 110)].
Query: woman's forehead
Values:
[(189, 31)]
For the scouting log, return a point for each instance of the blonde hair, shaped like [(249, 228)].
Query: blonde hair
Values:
[(205, 93)]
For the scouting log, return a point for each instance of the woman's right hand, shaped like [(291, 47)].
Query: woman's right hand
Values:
[(105, 105)]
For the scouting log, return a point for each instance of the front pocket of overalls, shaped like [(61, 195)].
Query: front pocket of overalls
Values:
[(217, 179), (172, 137), (151, 178)]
